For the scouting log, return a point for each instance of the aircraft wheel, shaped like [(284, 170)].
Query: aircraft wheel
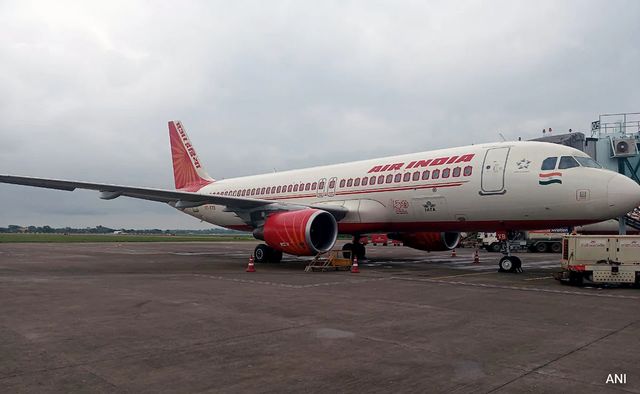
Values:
[(517, 263), (494, 247), (261, 253), (275, 256), (507, 264), (359, 251)]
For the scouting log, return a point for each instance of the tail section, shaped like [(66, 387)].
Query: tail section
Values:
[(188, 172)]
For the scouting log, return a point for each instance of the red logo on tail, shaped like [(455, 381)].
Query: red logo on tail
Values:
[(188, 173)]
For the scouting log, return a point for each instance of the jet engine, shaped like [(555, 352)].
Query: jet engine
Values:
[(429, 241), (302, 233)]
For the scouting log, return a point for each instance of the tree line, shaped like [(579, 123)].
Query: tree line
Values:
[(13, 228)]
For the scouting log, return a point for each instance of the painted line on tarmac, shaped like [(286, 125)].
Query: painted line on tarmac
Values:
[(533, 289), (540, 278), (455, 276), (288, 286)]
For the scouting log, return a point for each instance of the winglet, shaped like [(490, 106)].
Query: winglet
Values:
[(188, 172)]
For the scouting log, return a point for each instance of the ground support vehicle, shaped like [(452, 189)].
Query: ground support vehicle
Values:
[(600, 259)]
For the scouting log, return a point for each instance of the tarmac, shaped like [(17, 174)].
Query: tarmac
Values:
[(186, 317)]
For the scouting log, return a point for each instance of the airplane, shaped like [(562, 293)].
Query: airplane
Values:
[(422, 199)]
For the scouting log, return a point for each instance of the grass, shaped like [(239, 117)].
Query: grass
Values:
[(61, 238)]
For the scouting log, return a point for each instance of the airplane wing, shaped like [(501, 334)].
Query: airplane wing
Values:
[(177, 199)]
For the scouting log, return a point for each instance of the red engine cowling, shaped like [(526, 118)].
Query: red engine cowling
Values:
[(302, 233), (429, 241)]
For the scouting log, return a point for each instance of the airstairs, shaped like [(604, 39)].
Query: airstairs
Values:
[(332, 260)]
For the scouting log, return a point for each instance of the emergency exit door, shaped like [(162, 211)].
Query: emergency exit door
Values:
[(493, 169)]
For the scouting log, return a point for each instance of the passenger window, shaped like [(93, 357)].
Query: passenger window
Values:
[(342, 182), (350, 183), (416, 176), (425, 175), (372, 180), (435, 174), (467, 171), (279, 189), (456, 172), (389, 178), (365, 180), (406, 177), (446, 172), (380, 179), (397, 178), (295, 188), (314, 185), (549, 164), (356, 182), (567, 162), (307, 187)]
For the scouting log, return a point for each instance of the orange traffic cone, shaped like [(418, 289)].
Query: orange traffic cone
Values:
[(453, 253), (354, 266), (476, 257), (250, 266)]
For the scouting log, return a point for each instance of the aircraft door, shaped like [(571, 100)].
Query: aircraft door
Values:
[(331, 187), (493, 168), (322, 188)]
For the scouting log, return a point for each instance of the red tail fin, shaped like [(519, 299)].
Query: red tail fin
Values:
[(188, 172)]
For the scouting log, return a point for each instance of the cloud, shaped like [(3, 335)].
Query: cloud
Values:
[(88, 87)]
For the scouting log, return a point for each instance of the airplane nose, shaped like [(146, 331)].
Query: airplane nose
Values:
[(623, 195)]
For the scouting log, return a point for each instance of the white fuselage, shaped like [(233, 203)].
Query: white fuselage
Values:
[(484, 187)]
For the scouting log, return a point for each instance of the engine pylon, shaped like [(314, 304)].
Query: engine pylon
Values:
[(354, 266), (251, 267)]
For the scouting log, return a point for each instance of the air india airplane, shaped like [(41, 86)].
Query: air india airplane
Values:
[(423, 199)]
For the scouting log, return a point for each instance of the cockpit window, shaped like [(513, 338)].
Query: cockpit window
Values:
[(587, 162), (549, 163), (567, 162)]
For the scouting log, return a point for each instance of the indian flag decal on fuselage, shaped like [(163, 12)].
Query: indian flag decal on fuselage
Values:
[(550, 177)]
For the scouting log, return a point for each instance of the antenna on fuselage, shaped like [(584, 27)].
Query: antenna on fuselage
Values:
[(502, 136)]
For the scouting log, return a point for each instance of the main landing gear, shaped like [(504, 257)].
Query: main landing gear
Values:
[(264, 254), (509, 263), (358, 250)]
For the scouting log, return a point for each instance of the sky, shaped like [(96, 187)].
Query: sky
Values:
[(88, 87)]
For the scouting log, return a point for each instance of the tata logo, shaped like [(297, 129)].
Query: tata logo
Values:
[(423, 163), (429, 207)]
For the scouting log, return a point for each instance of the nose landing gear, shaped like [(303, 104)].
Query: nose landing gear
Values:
[(509, 263)]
